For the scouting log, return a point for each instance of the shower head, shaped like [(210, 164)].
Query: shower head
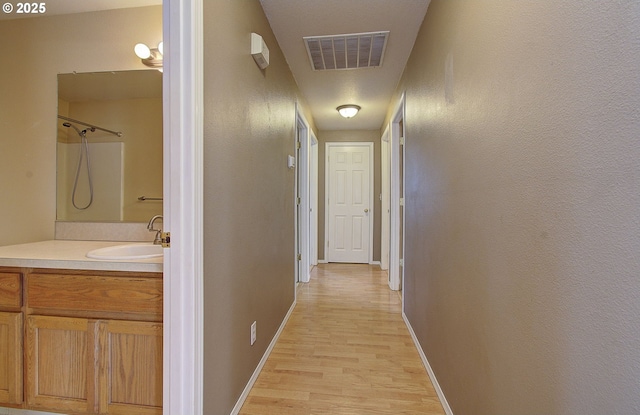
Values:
[(80, 132)]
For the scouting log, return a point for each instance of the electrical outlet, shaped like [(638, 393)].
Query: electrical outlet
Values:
[(253, 332)]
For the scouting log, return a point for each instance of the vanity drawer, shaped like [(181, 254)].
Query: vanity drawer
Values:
[(95, 293), (10, 290)]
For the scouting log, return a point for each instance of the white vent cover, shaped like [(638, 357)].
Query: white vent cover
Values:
[(357, 50)]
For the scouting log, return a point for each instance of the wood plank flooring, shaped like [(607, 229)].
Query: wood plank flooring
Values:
[(344, 351)]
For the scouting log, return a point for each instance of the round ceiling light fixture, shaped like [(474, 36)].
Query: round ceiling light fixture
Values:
[(349, 110)]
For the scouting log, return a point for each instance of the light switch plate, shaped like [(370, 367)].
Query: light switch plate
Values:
[(253, 332)]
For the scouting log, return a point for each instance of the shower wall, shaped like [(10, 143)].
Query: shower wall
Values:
[(107, 162)]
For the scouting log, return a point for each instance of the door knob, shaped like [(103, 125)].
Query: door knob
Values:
[(366, 211)]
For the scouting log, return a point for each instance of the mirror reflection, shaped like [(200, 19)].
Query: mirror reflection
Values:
[(109, 145)]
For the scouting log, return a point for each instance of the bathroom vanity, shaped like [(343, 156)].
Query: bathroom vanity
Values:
[(79, 336)]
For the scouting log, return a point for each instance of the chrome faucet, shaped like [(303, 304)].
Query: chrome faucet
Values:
[(158, 239)]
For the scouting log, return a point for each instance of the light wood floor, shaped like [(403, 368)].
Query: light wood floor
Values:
[(345, 350)]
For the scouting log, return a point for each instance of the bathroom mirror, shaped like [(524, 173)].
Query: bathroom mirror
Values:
[(102, 175)]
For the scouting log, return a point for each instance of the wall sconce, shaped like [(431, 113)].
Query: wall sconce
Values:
[(150, 57), (348, 111)]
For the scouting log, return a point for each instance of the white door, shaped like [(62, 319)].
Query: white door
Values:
[(349, 202)]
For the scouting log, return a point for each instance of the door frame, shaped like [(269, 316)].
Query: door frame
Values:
[(396, 278), (327, 149), (302, 224), (313, 199), (385, 191), (183, 174)]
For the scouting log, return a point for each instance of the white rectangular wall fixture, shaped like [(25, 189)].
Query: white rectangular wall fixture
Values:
[(259, 50)]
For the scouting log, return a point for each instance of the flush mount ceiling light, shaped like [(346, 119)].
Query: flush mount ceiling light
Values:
[(150, 57), (348, 111)]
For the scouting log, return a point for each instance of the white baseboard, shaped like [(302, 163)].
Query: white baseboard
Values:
[(322, 261), (425, 362), (254, 377)]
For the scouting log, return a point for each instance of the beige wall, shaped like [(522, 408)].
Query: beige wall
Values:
[(523, 204), (34, 51), (249, 129), (372, 136)]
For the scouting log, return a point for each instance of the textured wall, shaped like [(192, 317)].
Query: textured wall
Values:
[(34, 51), (523, 204), (324, 137), (249, 118)]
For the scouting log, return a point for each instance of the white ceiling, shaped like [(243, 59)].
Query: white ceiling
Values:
[(371, 88)]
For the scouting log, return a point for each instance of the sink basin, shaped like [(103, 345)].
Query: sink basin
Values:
[(129, 251)]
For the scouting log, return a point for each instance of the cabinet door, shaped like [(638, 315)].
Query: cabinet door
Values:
[(11, 290), (62, 364), (11, 358), (133, 373)]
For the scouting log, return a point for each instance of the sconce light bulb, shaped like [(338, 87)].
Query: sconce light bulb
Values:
[(161, 48), (142, 51)]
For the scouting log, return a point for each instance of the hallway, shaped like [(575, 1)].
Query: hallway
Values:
[(345, 350)]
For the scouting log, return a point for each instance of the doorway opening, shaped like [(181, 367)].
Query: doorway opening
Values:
[(396, 148), (305, 211)]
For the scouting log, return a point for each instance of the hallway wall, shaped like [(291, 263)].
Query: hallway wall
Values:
[(369, 136), (249, 129), (523, 204)]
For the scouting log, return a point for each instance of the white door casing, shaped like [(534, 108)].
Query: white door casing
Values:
[(313, 200), (384, 199), (395, 275), (349, 190), (303, 219), (183, 356)]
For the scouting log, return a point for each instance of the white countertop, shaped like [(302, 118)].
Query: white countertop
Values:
[(71, 255)]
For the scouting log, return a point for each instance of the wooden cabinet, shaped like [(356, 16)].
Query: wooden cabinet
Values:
[(94, 366), (11, 338), (92, 341), (133, 378), (62, 364), (10, 358), (10, 290)]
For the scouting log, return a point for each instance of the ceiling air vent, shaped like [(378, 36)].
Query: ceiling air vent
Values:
[(358, 50)]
